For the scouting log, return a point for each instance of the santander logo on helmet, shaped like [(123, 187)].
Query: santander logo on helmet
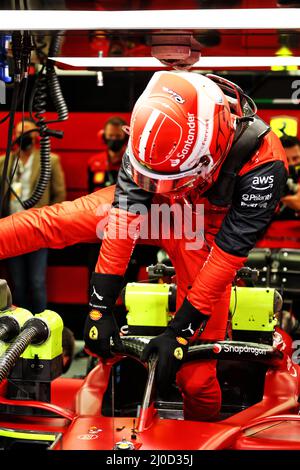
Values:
[(181, 130)]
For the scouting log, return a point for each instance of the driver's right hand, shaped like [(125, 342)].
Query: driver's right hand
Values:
[(98, 330), (100, 325)]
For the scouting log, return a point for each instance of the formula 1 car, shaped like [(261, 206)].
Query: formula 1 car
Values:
[(116, 405)]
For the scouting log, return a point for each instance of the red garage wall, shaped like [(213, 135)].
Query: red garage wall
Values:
[(79, 143)]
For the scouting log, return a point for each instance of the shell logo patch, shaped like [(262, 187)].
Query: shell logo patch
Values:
[(178, 353), (95, 315), (181, 340), (93, 333), (94, 430)]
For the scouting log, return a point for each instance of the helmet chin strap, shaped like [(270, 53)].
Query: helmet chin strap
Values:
[(184, 195), (183, 198)]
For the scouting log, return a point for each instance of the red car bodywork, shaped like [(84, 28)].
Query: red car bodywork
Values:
[(78, 421)]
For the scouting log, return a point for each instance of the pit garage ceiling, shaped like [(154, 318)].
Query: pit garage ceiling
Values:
[(130, 43)]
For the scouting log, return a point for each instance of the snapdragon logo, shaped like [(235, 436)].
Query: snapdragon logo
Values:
[(230, 348), (190, 138)]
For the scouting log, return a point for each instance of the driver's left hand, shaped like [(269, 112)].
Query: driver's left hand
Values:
[(172, 345)]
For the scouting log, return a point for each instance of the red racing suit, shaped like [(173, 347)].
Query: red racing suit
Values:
[(204, 275)]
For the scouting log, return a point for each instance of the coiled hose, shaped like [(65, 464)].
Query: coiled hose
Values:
[(56, 94), (53, 81), (8, 360), (9, 327), (40, 100), (45, 80)]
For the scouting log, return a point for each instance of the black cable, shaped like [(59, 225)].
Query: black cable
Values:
[(235, 302), (21, 50), (9, 144), (9, 181), (53, 81), (4, 119), (38, 101), (19, 99), (34, 91), (53, 84), (57, 96), (22, 46)]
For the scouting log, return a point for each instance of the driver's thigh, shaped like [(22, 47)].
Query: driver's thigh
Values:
[(187, 264)]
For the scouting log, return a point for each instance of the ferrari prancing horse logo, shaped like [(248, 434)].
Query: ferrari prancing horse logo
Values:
[(178, 353), (93, 333), (284, 125)]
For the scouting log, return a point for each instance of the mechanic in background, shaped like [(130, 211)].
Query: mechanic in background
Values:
[(28, 272), (104, 166), (102, 172), (291, 199)]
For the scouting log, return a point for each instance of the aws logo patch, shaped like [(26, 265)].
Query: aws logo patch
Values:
[(261, 183)]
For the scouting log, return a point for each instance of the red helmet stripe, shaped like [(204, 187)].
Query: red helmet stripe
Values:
[(147, 133)]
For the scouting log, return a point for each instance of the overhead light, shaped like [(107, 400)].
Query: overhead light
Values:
[(69, 72), (244, 18), (151, 62)]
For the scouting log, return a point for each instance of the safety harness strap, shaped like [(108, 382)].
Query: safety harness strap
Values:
[(242, 150)]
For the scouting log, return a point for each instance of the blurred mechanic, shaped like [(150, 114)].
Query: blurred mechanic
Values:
[(189, 146), (102, 172), (291, 199), (104, 166), (28, 272)]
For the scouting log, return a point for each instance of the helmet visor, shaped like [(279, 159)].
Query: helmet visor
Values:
[(162, 183)]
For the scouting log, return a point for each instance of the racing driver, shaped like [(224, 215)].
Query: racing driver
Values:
[(194, 140)]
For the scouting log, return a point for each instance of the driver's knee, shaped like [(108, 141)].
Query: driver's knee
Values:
[(197, 378), (202, 408), (200, 389)]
